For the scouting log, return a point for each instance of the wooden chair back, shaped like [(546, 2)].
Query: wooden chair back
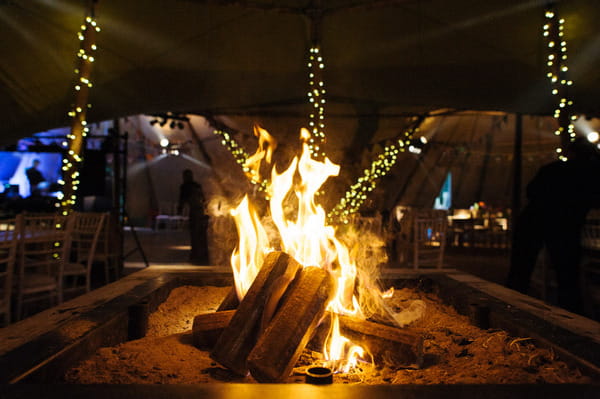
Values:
[(429, 238), (8, 253), (83, 232), (42, 250)]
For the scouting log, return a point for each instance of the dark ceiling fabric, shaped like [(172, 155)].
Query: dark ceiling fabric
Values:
[(249, 57)]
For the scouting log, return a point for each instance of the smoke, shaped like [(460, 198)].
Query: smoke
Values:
[(368, 249)]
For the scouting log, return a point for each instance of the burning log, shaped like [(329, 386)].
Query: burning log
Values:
[(237, 340), (387, 344), (286, 336), (230, 301), (207, 327)]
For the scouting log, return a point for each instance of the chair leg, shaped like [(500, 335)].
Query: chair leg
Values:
[(88, 279), (59, 293), (19, 306), (106, 272), (6, 317)]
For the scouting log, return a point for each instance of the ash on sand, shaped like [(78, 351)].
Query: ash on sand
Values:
[(456, 352)]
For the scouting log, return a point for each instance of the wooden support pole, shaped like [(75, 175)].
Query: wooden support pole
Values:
[(76, 138), (237, 340), (286, 336), (517, 171)]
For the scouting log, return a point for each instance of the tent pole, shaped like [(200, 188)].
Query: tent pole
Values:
[(206, 155), (489, 144), (517, 169), (76, 143), (367, 126), (458, 191), (118, 190)]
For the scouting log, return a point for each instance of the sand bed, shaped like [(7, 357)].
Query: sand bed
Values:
[(456, 352)]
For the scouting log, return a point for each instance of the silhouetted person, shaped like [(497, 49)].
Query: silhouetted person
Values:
[(559, 197), (35, 178), (191, 195)]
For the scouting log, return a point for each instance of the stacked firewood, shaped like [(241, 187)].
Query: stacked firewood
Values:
[(283, 312)]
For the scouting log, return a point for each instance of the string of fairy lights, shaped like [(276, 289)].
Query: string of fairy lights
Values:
[(316, 98), (79, 128), (356, 195), (553, 32), (241, 158)]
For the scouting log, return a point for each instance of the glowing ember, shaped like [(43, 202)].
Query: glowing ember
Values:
[(304, 235)]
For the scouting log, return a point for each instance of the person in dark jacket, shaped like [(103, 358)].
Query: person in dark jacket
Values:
[(559, 197), (192, 197), (35, 178)]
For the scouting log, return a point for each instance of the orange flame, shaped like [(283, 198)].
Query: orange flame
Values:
[(339, 351), (253, 245), (306, 236), (266, 147), (309, 239)]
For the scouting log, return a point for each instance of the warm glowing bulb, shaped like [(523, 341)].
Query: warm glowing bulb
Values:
[(593, 137)]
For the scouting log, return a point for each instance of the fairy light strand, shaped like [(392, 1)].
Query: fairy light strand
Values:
[(316, 99), (356, 195), (241, 158), (553, 32), (79, 129)]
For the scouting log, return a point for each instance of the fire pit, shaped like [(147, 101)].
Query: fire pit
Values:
[(293, 271), (42, 348)]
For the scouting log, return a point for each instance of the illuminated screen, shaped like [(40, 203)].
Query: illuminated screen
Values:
[(13, 171)]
